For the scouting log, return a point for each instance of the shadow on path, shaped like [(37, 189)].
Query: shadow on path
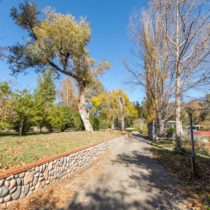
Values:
[(144, 185)]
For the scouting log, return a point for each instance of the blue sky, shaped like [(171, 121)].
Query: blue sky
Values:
[(109, 22)]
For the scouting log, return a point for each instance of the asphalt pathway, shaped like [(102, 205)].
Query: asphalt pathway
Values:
[(130, 178)]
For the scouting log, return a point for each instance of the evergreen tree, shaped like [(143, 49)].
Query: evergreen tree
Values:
[(61, 117), (45, 95)]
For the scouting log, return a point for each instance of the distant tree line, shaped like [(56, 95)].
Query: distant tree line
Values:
[(23, 109), (56, 45), (55, 109)]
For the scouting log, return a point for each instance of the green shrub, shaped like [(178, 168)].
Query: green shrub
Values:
[(129, 121), (77, 122), (104, 124), (61, 118), (142, 129), (94, 122), (169, 132)]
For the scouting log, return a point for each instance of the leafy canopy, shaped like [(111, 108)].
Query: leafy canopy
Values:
[(107, 104), (5, 105), (61, 117), (58, 40)]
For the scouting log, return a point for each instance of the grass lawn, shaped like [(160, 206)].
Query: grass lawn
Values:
[(17, 151), (180, 166)]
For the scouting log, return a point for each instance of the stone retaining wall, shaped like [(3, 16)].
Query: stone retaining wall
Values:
[(17, 183)]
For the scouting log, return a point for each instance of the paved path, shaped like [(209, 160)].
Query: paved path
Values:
[(130, 178)]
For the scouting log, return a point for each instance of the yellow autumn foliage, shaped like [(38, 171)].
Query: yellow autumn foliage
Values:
[(108, 104)]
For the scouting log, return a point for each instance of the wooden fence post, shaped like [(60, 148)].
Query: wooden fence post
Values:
[(193, 145)]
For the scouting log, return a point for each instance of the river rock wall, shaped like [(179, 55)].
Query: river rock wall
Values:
[(18, 183)]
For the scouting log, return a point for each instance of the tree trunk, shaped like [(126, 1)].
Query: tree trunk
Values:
[(178, 83), (160, 125), (113, 124), (150, 127), (122, 122), (20, 131), (178, 113), (193, 146), (84, 114), (122, 111)]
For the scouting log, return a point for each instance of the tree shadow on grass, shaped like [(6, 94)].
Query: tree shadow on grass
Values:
[(15, 134)]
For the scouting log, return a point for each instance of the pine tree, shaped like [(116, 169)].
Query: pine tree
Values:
[(45, 95)]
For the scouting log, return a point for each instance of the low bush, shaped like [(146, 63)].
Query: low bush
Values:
[(61, 117), (170, 132)]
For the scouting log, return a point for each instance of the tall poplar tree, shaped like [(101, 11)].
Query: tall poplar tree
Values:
[(186, 27)]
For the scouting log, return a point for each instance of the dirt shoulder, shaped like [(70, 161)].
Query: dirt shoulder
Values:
[(179, 166)]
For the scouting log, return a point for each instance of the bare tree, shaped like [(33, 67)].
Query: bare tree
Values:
[(1, 52), (156, 75), (68, 93), (186, 26), (2, 49)]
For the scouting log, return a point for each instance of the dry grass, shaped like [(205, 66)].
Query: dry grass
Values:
[(59, 193), (17, 151), (198, 188), (200, 146)]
